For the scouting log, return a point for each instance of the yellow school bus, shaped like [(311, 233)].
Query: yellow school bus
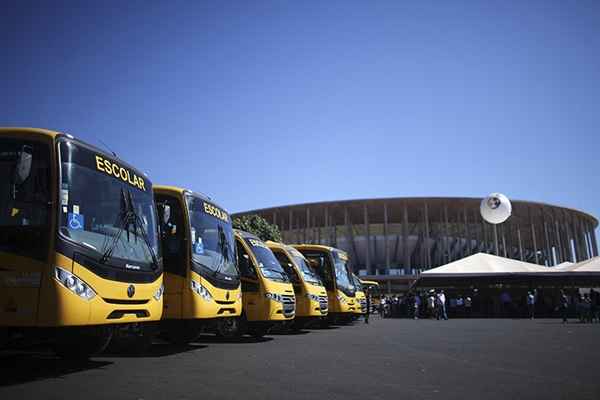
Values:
[(361, 298), (202, 284), (79, 253), (267, 292), (332, 266), (311, 296)]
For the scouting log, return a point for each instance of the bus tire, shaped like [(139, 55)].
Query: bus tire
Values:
[(228, 328), (82, 342)]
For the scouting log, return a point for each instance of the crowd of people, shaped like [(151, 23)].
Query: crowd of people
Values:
[(584, 306)]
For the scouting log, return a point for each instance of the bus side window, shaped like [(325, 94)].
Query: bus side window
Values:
[(172, 237), (323, 267), (24, 199), (287, 266), (245, 266)]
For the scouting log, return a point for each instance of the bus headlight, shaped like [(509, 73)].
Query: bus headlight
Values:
[(312, 297), (239, 295), (159, 292), (74, 284), (274, 296), (201, 290)]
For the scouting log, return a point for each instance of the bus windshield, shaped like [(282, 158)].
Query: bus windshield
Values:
[(308, 273), (213, 243), (343, 277), (108, 208), (267, 262)]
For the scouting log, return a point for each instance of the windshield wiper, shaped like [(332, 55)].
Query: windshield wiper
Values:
[(224, 250), (137, 223), (123, 223), (129, 218)]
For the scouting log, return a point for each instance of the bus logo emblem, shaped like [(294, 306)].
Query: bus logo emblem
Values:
[(130, 291)]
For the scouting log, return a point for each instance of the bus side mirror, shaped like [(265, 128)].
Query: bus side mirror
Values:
[(23, 165)]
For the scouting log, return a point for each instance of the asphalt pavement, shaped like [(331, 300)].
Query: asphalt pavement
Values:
[(387, 359)]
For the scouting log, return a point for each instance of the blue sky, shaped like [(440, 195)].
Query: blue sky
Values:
[(260, 104)]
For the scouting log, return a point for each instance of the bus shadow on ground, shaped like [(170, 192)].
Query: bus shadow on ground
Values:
[(18, 368), (157, 349), (325, 328), (290, 332), (242, 339)]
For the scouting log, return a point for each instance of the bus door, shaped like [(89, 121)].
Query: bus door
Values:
[(175, 253), (250, 282)]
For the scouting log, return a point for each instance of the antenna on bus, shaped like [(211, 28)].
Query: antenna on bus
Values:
[(108, 148)]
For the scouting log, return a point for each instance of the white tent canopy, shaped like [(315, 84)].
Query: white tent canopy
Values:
[(591, 266), (486, 265)]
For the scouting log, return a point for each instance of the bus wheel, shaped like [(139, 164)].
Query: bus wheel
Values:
[(228, 328), (82, 342)]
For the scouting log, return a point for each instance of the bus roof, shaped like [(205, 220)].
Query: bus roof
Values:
[(182, 191), (369, 283), (58, 135), (317, 247), (26, 131)]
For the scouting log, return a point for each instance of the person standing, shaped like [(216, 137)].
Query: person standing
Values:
[(368, 296), (468, 306), (416, 305), (441, 302), (564, 306), (531, 304), (431, 304)]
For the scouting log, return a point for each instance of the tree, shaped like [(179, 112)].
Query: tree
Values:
[(258, 226)]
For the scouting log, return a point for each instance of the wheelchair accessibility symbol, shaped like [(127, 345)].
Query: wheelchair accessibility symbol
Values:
[(76, 221)]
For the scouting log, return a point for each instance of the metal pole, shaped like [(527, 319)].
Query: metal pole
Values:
[(446, 258), (335, 237), (520, 243), (503, 241), (594, 241), (467, 233), (368, 237), (385, 237), (496, 239), (535, 250), (561, 253), (327, 234), (407, 258), (427, 237), (290, 227), (588, 245)]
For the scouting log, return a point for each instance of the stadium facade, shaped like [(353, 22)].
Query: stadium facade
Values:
[(402, 236)]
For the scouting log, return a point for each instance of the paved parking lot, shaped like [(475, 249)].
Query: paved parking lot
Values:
[(388, 359)]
